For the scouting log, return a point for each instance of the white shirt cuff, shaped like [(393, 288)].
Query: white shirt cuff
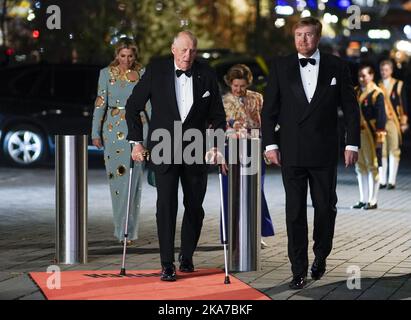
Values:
[(351, 148), (135, 142), (271, 147)]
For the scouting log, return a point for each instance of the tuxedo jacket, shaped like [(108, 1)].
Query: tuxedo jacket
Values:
[(158, 85), (308, 134)]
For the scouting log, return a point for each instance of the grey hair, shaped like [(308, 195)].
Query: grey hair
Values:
[(188, 34)]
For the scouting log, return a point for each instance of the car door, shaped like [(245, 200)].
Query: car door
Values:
[(70, 102), (17, 91)]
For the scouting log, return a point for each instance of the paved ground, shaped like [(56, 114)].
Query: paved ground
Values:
[(376, 242)]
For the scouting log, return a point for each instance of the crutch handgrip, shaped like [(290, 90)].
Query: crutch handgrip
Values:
[(131, 158)]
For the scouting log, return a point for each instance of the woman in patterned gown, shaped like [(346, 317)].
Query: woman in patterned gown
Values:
[(109, 130), (243, 108)]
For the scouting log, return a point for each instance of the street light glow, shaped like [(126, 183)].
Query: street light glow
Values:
[(330, 18), (365, 18), (279, 22), (301, 4), (284, 10), (31, 16), (343, 3), (404, 45), (407, 31), (379, 34), (305, 13), (241, 6)]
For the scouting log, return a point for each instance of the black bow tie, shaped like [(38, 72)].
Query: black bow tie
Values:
[(179, 72), (304, 61)]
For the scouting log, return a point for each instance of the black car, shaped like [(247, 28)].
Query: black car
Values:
[(221, 60), (40, 101), (257, 66)]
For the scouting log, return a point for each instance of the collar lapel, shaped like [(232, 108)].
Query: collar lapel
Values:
[(296, 83), (171, 92), (196, 85)]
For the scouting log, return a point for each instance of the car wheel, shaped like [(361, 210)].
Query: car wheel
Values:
[(24, 146)]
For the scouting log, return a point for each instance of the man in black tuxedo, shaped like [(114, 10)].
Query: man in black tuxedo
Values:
[(303, 93), (183, 93)]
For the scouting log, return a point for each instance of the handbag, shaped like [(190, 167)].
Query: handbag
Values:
[(151, 178)]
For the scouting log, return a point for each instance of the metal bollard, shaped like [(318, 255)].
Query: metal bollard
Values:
[(71, 199), (244, 204)]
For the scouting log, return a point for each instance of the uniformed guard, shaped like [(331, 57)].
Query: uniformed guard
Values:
[(373, 119), (397, 124)]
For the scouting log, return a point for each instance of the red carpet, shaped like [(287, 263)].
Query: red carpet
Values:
[(204, 284)]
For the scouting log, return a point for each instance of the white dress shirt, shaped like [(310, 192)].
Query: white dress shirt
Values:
[(309, 78), (387, 83), (184, 93), (309, 75)]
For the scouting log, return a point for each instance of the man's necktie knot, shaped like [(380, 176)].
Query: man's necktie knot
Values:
[(304, 61), (179, 72)]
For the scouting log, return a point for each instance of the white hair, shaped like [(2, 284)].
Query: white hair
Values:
[(185, 33)]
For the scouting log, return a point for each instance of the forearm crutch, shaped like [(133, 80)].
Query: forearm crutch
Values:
[(220, 177), (123, 264)]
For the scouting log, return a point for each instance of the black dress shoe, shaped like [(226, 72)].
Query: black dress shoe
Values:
[(391, 186), (318, 269), (168, 273), (298, 282), (358, 205), (369, 206), (186, 264), (383, 186)]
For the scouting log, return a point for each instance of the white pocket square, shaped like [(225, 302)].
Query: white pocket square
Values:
[(333, 82), (206, 94)]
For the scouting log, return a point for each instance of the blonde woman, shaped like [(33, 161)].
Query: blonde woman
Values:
[(109, 131)]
